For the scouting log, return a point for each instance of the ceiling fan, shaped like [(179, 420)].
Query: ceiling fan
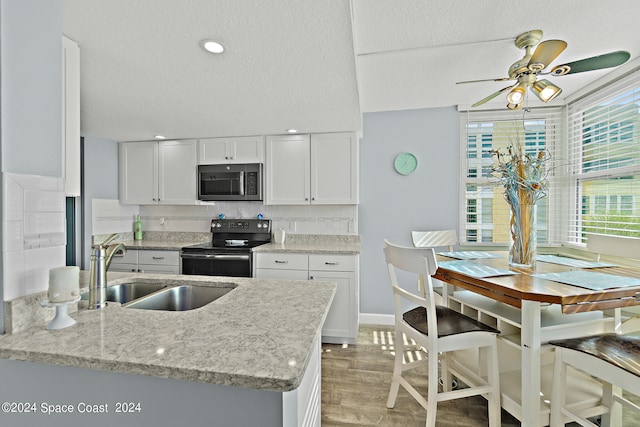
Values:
[(525, 71)]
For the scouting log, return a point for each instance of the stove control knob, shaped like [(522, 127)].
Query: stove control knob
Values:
[(218, 225)]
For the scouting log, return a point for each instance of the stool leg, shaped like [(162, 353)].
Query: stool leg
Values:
[(558, 388), (432, 392), (397, 368), (493, 376)]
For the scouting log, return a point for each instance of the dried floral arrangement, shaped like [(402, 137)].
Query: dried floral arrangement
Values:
[(524, 178)]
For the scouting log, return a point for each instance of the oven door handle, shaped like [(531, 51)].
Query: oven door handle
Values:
[(222, 257)]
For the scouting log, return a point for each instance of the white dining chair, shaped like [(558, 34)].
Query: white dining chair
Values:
[(435, 239), (614, 359), (438, 330), (627, 320)]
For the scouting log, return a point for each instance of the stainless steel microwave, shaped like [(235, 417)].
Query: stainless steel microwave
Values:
[(230, 182)]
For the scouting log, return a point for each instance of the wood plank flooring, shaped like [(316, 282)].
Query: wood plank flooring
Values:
[(356, 380)]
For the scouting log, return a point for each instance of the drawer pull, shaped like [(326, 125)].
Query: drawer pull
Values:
[(331, 263), (282, 262), (158, 257)]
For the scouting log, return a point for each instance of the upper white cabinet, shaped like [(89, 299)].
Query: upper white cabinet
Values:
[(334, 169), (312, 169), (71, 117), (158, 172), (246, 149), (288, 170)]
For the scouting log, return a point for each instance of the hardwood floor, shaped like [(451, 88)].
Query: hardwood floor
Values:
[(355, 385)]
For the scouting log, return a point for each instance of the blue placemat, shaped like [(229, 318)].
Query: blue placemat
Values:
[(572, 262), (590, 279), (474, 270), (469, 255)]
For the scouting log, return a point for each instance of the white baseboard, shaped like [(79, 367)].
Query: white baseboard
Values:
[(376, 319)]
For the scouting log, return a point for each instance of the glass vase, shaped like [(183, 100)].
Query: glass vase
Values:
[(522, 236)]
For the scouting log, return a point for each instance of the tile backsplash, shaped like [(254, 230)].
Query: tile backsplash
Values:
[(312, 219), (33, 232), (110, 217)]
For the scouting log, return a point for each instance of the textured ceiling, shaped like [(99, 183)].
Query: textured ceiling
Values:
[(411, 53), (288, 64), (292, 63)]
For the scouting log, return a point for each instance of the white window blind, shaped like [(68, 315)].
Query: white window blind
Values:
[(604, 172), (485, 213)]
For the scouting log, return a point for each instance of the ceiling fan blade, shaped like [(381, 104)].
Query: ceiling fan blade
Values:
[(493, 95), (545, 53), (608, 60), (502, 79)]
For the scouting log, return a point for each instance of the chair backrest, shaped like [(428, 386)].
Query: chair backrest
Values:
[(421, 261), (621, 246), (434, 239)]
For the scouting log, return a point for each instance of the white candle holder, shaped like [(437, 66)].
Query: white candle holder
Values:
[(62, 319)]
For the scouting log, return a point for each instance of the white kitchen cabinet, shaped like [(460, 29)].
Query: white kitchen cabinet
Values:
[(246, 149), (341, 325), (312, 169), (158, 172), (334, 169), (71, 117), (288, 170), (177, 172), (147, 261)]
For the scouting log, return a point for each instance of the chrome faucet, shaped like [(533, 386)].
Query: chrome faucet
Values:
[(101, 255)]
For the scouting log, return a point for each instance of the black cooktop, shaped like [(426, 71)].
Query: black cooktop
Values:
[(235, 235)]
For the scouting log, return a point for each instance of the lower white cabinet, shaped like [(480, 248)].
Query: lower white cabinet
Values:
[(147, 261), (341, 325)]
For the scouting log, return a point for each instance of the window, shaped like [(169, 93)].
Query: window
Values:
[(604, 153), (486, 217)]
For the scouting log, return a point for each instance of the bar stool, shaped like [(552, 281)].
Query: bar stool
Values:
[(614, 359), (438, 329)]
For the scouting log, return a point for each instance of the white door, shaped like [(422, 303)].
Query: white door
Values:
[(138, 173), (213, 151), (177, 172), (249, 149), (339, 321), (288, 170), (334, 169)]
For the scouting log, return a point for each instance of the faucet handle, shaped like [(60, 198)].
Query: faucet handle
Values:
[(108, 240)]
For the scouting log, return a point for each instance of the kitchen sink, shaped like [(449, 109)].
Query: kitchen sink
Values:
[(180, 298), (125, 292)]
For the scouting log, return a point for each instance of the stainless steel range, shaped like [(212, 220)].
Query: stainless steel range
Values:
[(229, 252)]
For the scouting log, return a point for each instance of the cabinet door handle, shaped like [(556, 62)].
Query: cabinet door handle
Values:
[(158, 257), (133, 270), (282, 262), (310, 277), (331, 263)]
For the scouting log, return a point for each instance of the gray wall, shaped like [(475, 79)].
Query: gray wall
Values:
[(31, 91), (100, 181), (391, 205)]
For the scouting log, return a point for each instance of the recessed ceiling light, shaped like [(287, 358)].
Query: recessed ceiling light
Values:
[(160, 137), (212, 46), (292, 130)]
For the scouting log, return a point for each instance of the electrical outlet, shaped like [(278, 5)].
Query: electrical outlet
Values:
[(162, 221)]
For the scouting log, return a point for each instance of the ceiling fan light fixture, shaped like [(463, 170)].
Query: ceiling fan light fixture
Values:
[(512, 106), (516, 96), (545, 90)]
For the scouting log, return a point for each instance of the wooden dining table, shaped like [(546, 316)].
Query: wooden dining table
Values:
[(531, 295)]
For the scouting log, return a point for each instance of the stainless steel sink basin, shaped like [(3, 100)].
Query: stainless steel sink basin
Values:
[(126, 292), (180, 298)]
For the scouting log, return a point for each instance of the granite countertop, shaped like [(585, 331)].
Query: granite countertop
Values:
[(347, 244), (164, 245), (260, 335)]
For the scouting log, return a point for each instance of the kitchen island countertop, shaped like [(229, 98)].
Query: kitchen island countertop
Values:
[(260, 335)]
